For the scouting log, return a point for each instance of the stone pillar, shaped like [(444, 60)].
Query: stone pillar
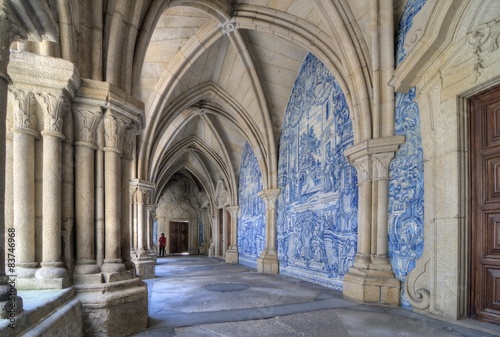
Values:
[(371, 278), (7, 32), (232, 252), (52, 271), (86, 119), (126, 162), (151, 242), (144, 264), (99, 195), (268, 259), (24, 180), (114, 129)]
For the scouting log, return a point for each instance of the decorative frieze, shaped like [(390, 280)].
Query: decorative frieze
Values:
[(484, 38)]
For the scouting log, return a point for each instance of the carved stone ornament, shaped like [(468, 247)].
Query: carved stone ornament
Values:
[(53, 110), (114, 129), (484, 38), (364, 169), (141, 195), (419, 296), (229, 27), (86, 123), (129, 140), (24, 105), (380, 165)]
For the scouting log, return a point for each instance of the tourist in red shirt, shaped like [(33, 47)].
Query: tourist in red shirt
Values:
[(163, 243)]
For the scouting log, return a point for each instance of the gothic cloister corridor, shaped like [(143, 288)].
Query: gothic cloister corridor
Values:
[(195, 296)]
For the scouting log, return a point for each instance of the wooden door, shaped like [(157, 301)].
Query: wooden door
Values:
[(485, 205), (179, 237)]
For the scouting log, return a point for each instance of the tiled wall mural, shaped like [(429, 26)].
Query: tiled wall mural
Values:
[(406, 187), (251, 218), (317, 206)]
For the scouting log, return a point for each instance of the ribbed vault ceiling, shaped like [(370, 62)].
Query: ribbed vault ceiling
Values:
[(207, 91)]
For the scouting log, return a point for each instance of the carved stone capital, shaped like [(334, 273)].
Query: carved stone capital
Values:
[(270, 197), (141, 195), (53, 110), (86, 119), (380, 165), (363, 166), (23, 108), (114, 129), (233, 210), (129, 141)]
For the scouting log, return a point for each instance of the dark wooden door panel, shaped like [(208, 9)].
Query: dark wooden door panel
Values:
[(179, 237), (485, 205)]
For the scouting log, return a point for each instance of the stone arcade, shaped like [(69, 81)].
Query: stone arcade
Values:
[(353, 144)]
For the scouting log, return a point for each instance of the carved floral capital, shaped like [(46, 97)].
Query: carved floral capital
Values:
[(23, 108)]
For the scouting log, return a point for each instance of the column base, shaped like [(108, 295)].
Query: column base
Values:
[(145, 268), (372, 286), (267, 262), (116, 309), (51, 276), (152, 255), (232, 255)]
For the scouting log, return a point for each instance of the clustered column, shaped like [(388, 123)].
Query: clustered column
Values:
[(232, 252), (371, 278)]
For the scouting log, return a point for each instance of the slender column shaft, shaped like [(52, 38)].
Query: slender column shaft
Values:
[(364, 224), (99, 206), (140, 224), (52, 155), (112, 251), (114, 131), (125, 208), (24, 198), (84, 209)]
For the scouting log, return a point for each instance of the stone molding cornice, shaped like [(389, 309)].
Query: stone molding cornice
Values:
[(113, 100), (56, 76)]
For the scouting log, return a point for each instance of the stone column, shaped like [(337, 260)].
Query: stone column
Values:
[(268, 259), (127, 210), (371, 278), (86, 119), (144, 264), (134, 220), (232, 252), (52, 270), (151, 242), (141, 195), (24, 180), (99, 195), (8, 30), (381, 163), (114, 129)]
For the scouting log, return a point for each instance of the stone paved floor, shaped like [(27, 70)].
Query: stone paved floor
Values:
[(195, 296)]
